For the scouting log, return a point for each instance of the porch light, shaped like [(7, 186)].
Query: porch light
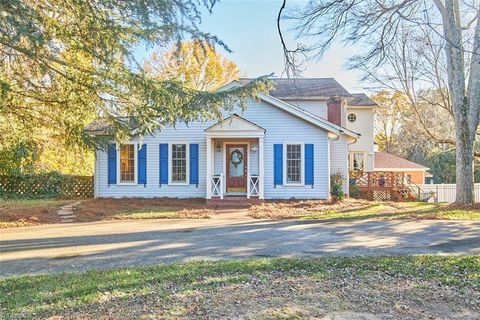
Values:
[(218, 147), (254, 149)]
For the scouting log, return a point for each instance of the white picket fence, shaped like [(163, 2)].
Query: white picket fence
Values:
[(445, 192)]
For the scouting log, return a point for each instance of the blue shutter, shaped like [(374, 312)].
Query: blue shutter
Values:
[(112, 164), (309, 164), (194, 163), (277, 164), (142, 165), (163, 163)]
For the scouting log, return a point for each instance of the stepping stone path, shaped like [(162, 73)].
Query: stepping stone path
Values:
[(66, 212)]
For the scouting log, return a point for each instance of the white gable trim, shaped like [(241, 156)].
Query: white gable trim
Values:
[(235, 126)]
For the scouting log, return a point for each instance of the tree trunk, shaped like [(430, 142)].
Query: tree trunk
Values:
[(465, 112), (464, 164)]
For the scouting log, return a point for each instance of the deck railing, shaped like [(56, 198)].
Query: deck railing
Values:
[(395, 184)]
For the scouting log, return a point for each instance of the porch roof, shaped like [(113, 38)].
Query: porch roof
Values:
[(235, 126)]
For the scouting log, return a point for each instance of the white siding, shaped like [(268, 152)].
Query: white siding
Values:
[(194, 133), (339, 159), (317, 107), (281, 127), (364, 126)]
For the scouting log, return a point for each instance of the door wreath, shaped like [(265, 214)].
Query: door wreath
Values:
[(236, 157)]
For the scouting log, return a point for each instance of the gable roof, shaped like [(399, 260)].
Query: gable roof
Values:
[(361, 100), (308, 116), (330, 87), (388, 161), (305, 88), (235, 122), (298, 112)]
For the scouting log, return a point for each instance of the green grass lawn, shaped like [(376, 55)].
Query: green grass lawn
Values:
[(259, 288), (351, 209), (416, 210)]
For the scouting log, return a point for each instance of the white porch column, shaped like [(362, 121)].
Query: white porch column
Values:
[(261, 166), (209, 167)]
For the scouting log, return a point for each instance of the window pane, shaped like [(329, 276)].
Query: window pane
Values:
[(127, 163), (294, 163), (179, 163)]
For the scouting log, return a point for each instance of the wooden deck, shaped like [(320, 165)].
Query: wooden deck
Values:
[(386, 186)]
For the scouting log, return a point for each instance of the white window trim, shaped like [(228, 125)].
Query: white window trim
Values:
[(350, 160), (135, 156), (302, 165), (170, 164)]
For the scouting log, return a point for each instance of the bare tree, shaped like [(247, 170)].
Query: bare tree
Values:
[(381, 25)]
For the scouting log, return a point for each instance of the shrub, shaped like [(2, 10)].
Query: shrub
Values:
[(354, 191), (336, 186), (45, 185)]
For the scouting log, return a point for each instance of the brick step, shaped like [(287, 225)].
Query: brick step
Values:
[(233, 201)]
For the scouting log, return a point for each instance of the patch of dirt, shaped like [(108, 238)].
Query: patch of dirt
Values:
[(279, 295), (107, 208), (16, 214), (295, 208)]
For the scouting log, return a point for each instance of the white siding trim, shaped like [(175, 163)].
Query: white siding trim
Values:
[(261, 169)]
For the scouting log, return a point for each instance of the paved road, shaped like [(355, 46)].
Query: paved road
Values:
[(79, 247)]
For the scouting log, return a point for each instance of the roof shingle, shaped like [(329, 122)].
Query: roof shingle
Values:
[(306, 87), (361, 99), (384, 160)]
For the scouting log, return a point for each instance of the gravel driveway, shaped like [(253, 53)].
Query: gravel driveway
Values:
[(111, 244)]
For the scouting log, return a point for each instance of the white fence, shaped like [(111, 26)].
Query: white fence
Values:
[(445, 192)]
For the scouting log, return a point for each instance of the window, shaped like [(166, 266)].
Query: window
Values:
[(294, 163), (356, 160), (127, 163), (179, 163), (352, 117)]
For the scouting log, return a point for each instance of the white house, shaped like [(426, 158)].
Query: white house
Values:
[(283, 146)]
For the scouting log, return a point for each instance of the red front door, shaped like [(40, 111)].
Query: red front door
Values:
[(236, 160)]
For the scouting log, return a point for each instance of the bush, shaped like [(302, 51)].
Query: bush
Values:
[(336, 187), (44, 186), (354, 191)]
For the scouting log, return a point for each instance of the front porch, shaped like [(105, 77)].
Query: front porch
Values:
[(235, 160)]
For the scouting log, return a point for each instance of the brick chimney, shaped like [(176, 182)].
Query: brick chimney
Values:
[(334, 109)]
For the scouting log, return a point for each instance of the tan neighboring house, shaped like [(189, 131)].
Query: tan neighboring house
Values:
[(416, 173)]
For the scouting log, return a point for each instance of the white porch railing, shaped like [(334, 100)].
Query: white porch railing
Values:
[(217, 186), (254, 186)]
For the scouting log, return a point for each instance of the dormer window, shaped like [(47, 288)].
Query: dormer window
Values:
[(352, 117)]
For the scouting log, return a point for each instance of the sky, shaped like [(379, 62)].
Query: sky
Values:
[(249, 29)]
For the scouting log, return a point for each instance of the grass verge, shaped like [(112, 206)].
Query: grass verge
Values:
[(279, 287), (351, 209)]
